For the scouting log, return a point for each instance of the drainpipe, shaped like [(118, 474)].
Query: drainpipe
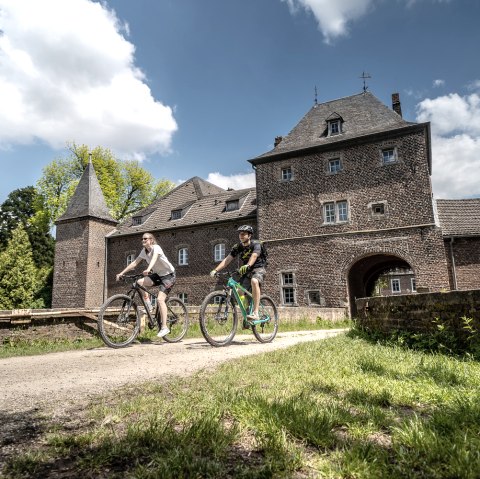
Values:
[(105, 275), (452, 257)]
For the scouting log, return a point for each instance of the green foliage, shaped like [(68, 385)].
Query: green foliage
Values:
[(126, 186), (25, 206), (443, 338), (20, 282)]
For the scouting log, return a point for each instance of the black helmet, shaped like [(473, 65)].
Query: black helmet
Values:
[(246, 228)]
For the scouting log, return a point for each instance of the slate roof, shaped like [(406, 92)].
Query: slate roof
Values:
[(459, 217), (88, 199), (203, 203), (362, 114)]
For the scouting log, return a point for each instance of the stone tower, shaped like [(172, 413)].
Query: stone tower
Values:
[(79, 269)]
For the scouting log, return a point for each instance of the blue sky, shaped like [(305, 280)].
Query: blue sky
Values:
[(196, 88)]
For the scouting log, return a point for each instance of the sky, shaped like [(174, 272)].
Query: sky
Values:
[(197, 88)]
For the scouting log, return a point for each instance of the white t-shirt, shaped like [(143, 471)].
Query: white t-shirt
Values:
[(162, 266)]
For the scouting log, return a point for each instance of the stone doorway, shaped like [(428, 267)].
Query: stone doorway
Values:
[(365, 272)]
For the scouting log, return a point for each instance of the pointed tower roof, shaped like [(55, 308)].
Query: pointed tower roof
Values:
[(88, 199)]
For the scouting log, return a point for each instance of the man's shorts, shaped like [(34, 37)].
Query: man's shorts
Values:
[(257, 273), (164, 283)]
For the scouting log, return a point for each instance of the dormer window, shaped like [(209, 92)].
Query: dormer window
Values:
[(231, 205), (334, 127), (334, 124), (137, 220), (176, 214)]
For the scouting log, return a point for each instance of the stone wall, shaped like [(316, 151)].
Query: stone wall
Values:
[(417, 312)]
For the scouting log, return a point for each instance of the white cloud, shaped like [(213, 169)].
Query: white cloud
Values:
[(455, 122), (438, 83), (237, 182), (332, 17), (67, 73)]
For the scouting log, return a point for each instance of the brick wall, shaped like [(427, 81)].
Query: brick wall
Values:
[(78, 279), (466, 254), (418, 312)]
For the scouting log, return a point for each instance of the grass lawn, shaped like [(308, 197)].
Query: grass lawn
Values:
[(337, 408)]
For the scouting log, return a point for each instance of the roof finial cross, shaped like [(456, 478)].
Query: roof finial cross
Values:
[(365, 76)]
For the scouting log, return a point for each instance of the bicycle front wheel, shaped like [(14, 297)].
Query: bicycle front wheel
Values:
[(218, 318), (267, 329), (118, 321), (177, 320)]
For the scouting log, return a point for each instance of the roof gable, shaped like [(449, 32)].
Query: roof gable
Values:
[(459, 217)]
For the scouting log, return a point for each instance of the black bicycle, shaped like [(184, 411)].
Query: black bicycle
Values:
[(120, 317)]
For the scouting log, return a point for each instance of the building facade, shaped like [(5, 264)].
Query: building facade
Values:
[(343, 198)]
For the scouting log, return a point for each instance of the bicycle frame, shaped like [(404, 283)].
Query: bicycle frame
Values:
[(235, 287), (136, 288)]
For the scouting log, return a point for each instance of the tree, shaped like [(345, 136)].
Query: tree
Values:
[(25, 206), (20, 281), (126, 186)]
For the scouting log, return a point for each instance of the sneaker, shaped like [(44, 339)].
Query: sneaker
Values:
[(163, 332), (253, 316)]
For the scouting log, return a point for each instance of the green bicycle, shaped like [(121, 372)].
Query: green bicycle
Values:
[(219, 314)]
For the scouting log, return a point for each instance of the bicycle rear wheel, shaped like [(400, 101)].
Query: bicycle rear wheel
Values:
[(177, 320), (218, 319), (118, 321), (266, 331)]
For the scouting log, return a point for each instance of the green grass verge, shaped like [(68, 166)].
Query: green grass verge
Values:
[(24, 347), (338, 408)]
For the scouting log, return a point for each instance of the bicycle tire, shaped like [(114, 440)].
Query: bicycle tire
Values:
[(118, 321), (177, 320), (266, 332), (218, 319)]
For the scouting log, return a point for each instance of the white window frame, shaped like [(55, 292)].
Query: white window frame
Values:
[(232, 205), (335, 212), (413, 284), (334, 165), (130, 258), (287, 173), (395, 281), (183, 297), (219, 252), (334, 127), (389, 155), (183, 257)]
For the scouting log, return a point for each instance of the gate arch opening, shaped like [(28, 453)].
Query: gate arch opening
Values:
[(365, 272)]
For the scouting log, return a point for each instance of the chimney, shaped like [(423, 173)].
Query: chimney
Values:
[(277, 141), (396, 106)]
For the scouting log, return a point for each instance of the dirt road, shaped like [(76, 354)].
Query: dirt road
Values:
[(36, 381)]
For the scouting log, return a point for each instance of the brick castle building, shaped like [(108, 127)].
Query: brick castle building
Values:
[(343, 198)]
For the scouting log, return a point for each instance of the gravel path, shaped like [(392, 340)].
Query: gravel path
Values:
[(36, 381), (56, 388)]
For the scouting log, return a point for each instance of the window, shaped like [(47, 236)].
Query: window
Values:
[(335, 212), (130, 258), (389, 155), (136, 220), (183, 297), (287, 174), (232, 205), (334, 127), (334, 166), (183, 256), (413, 282), (288, 288), (176, 214), (219, 251), (396, 285), (314, 297), (378, 209)]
